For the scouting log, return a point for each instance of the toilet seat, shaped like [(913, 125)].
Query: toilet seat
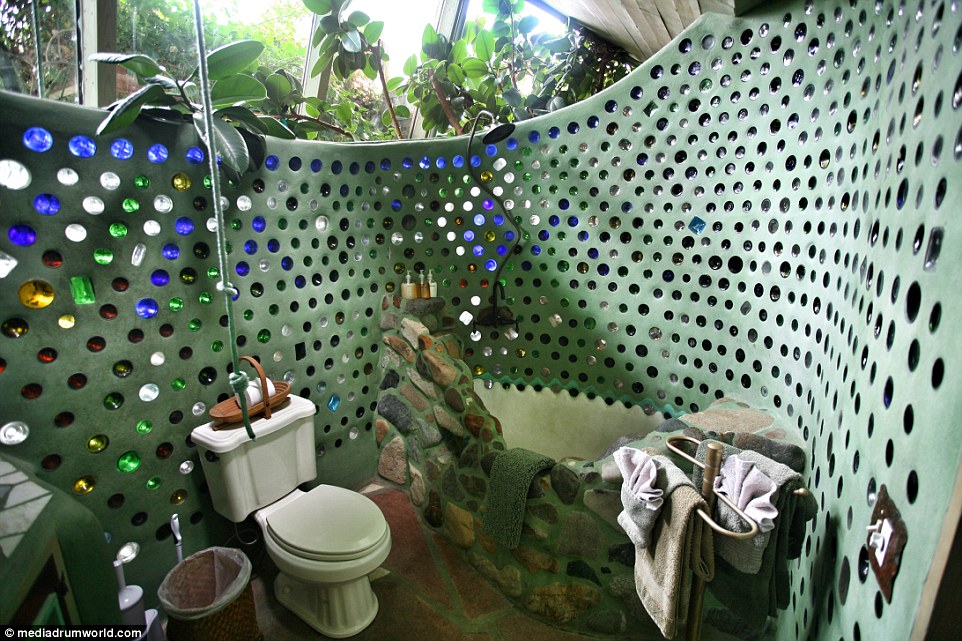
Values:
[(329, 523)]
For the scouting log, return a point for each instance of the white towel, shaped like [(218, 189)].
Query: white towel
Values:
[(754, 493), (253, 392), (640, 496)]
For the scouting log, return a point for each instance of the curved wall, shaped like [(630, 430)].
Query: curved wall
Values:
[(763, 208)]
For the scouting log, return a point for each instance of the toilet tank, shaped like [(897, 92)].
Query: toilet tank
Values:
[(245, 475)]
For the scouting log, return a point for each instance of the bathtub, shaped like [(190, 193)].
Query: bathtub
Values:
[(560, 425)]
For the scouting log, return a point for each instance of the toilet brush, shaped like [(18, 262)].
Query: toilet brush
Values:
[(131, 598), (178, 540)]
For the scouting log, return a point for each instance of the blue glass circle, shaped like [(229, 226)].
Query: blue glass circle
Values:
[(592, 122), (572, 221), (636, 92), (273, 245), (345, 190), (242, 268), (534, 136), (458, 161), (46, 204), (603, 269), (160, 277), (157, 153), (582, 236), (611, 106), (396, 205), (502, 250), (23, 235), (626, 207), (536, 250), (479, 219), (355, 168), (82, 146), (498, 219), (526, 265), (475, 161), (336, 167), (573, 128), (441, 162), (491, 264), (554, 132), (490, 149), (668, 275), (593, 253), (385, 164), (170, 251), (543, 235), (407, 163), (370, 167), (300, 282), (122, 149), (553, 220), (37, 139), (147, 308), (183, 225), (196, 156), (272, 162), (563, 204), (287, 263), (259, 224), (316, 165), (511, 143), (424, 163), (295, 163), (250, 247), (509, 235), (468, 236), (642, 159), (478, 250)]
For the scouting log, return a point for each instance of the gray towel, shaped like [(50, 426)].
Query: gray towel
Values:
[(680, 541), (511, 474), (755, 597), (641, 494)]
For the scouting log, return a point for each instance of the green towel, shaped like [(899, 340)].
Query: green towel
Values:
[(753, 598), (511, 474)]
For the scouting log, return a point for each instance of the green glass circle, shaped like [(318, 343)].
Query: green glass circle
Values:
[(128, 462), (144, 426)]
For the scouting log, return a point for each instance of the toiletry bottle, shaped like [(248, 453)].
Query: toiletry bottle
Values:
[(432, 285), (425, 288), (408, 288)]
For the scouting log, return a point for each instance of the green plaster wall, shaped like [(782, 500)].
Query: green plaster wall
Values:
[(818, 143)]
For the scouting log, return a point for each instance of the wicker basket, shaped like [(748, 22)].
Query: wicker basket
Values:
[(208, 597)]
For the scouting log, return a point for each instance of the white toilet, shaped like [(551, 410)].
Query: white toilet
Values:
[(325, 542)]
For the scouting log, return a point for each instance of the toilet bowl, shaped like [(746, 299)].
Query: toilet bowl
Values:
[(325, 541)]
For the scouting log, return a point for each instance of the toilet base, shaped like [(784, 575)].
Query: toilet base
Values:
[(336, 610)]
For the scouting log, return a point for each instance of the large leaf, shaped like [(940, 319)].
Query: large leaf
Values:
[(394, 83), (330, 24), (227, 142), (373, 31), (459, 51), (127, 110), (474, 68), (484, 45), (278, 87), (410, 65), (456, 74), (319, 7), (276, 128), (358, 18), (166, 82), (140, 64), (244, 116), (513, 97), (232, 58), (352, 41), (527, 24), (402, 111), (236, 88), (429, 39)]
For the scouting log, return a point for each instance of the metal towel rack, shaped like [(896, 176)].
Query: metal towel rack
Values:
[(711, 467)]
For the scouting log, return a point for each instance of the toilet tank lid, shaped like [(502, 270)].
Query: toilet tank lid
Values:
[(225, 440)]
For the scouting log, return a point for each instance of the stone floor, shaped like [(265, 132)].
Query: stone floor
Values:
[(430, 593)]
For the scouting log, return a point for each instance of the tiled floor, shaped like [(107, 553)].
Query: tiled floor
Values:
[(430, 593)]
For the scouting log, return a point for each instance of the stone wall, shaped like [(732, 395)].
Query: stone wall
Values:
[(574, 565)]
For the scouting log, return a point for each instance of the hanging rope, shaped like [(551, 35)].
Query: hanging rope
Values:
[(238, 379)]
